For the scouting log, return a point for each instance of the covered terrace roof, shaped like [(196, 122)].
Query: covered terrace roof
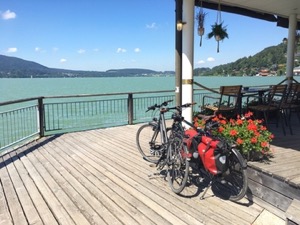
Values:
[(271, 10)]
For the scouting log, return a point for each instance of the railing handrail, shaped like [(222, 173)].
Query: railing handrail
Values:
[(19, 101), (80, 95)]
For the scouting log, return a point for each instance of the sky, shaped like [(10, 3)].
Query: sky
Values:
[(98, 35)]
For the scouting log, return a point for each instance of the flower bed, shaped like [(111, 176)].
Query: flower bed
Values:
[(251, 137)]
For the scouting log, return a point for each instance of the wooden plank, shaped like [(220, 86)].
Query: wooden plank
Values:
[(37, 199), (277, 185), (58, 191), (15, 208), (99, 189), (5, 218), (54, 204), (32, 215), (121, 179), (274, 198), (89, 206), (293, 212)]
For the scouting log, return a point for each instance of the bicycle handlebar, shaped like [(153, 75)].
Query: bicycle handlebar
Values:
[(179, 107), (153, 107)]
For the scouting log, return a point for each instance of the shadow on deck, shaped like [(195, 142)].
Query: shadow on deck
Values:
[(98, 177)]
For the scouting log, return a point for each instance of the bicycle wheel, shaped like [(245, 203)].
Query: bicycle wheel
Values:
[(178, 167), (236, 178), (148, 140)]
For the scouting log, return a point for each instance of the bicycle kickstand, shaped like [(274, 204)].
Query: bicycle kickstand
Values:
[(206, 189)]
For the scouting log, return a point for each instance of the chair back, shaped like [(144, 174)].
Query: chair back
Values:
[(231, 95), (277, 95), (293, 93)]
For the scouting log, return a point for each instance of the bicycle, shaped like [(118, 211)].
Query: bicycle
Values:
[(166, 147), (156, 132)]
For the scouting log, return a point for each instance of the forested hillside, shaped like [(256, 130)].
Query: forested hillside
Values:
[(271, 58)]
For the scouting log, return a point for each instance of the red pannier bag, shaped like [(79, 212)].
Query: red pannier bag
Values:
[(189, 134), (213, 154)]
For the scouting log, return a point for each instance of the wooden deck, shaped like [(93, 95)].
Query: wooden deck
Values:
[(98, 177)]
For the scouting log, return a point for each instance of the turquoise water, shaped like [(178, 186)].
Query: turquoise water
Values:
[(12, 89)]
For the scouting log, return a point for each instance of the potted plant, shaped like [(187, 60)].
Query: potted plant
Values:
[(219, 32)]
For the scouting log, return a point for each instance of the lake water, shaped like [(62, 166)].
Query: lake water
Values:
[(12, 89)]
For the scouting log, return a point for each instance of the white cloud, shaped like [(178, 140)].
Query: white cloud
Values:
[(137, 50), (96, 50), (11, 50), (63, 60), (54, 49), (210, 59), (201, 62), (81, 51), (37, 49), (151, 26), (121, 50), (7, 15)]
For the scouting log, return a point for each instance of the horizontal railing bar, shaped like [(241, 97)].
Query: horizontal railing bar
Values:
[(107, 94), (19, 101), (17, 109)]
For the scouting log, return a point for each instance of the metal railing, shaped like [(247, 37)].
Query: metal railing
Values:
[(26, 119)]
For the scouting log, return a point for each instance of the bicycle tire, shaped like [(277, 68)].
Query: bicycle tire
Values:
[(236, 178), (178, 168), (148, 140)]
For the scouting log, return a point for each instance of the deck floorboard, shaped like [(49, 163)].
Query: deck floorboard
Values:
[(99, 177)]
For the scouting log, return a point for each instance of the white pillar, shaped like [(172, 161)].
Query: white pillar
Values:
[(291, 47), (187, 56)]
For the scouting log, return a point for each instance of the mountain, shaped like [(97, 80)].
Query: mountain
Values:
[(271, 58), (12, 67)]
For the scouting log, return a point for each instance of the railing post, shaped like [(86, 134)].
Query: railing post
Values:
[(130, 108), (41, 116)]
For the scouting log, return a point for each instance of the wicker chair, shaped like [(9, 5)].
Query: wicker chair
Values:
[(227, 103)]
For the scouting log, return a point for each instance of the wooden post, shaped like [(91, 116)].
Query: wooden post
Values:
[(130, 109), (41, 117)]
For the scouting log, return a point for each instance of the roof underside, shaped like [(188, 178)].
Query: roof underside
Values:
[(271, 10)]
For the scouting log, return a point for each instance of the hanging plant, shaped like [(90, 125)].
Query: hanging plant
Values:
[(218, 30), (200, 19)]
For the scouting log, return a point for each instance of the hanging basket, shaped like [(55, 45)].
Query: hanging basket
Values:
[(218, 31), (201, 19)]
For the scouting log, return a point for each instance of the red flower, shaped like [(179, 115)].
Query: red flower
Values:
[(233, 132), (263, 128), (264, 144), (239, 122), (248, 115), (256, 134), (239, 141), (221, 129), (223, 122), (252, 126), (254, 140)]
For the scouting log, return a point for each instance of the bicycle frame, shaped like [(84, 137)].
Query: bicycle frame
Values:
[(160, 128)]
